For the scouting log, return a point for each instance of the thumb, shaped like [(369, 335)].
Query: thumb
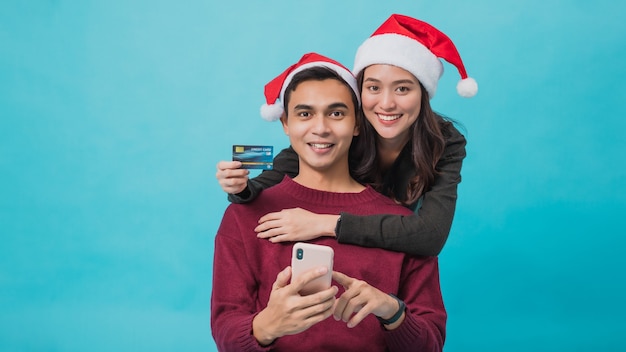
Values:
[(282, 279)]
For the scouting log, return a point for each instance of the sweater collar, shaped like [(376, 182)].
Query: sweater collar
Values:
[(313, 196)]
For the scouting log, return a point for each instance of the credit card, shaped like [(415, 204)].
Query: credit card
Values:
[(254, 156)]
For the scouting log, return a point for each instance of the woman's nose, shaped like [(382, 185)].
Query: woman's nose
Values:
[(387, 101)]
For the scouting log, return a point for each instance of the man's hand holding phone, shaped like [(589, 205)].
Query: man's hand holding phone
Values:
[(288, 312)]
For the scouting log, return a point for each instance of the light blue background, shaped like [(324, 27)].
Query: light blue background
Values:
[(113, 115)]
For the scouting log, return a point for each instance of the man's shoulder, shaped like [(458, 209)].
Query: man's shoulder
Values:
[(386, 205), (269, 195)]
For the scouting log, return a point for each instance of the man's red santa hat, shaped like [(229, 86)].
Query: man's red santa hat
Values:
[(275, 89)]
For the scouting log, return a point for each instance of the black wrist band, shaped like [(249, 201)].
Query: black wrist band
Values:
[(395, 316), (337, 227)]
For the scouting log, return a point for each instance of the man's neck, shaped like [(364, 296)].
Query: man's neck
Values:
[(338, 181)]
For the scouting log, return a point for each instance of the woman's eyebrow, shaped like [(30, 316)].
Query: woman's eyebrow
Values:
[(404, 81), (400, 81)]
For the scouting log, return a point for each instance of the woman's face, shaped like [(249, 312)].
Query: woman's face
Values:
[(391, 99)]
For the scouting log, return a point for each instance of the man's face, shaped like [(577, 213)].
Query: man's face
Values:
[(320, 123)]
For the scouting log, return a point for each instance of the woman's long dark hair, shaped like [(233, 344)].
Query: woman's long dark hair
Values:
[(427, 143)]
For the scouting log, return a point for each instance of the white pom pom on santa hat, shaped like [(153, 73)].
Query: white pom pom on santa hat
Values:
[(467, 87), (271, 112)]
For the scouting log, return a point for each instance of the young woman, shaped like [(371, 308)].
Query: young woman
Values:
[(404, 150)]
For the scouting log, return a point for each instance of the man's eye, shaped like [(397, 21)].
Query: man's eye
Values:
[(337, 114), (304, 114)]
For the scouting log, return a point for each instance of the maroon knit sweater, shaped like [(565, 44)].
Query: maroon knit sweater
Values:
[(245, 268)]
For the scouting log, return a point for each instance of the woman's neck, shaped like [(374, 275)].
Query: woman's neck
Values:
[(389, 150)]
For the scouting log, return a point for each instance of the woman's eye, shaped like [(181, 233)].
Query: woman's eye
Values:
[(403, 89), (372, 88)]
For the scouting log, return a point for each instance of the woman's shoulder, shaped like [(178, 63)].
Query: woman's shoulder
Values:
[(454, 138), (450, 128)]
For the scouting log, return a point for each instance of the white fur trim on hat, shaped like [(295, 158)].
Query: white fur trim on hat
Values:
[(342, 72), (404, 52)]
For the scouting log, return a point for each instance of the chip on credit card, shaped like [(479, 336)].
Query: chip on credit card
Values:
[(254, 156)]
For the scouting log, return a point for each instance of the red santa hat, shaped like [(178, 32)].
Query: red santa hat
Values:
[(275, 89), (415, 46)]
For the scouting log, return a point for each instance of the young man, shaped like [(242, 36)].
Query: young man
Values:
[(255, 306)]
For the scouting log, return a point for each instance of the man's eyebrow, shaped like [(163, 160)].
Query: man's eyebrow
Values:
[(302, 107), (338, 105)]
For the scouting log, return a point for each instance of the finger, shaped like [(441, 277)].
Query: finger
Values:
[(359, 316), (225, 180), (308, 276), (339, 307), (267, 225), (233, 189), (318, 312), (267, 234), (224, 165), (327, 295), (353, 305), (235, 182), (342, 279), (269, 217), (282, 279), (234, 173), (280, 238), (345, 305)]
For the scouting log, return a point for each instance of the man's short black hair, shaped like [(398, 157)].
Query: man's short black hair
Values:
[(317, 73)]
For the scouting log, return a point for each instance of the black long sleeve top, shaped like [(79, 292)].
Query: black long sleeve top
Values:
[(423, 233)]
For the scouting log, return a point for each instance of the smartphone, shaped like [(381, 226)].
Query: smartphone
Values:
[(307, 256)]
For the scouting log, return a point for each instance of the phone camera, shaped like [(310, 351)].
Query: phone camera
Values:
[(299, 253)]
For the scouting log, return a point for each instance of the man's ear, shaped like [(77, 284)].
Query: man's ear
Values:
[(357, 130), (283, 120)]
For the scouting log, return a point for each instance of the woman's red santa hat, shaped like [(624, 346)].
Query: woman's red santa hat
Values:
[(275, 89), (415, 46)]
